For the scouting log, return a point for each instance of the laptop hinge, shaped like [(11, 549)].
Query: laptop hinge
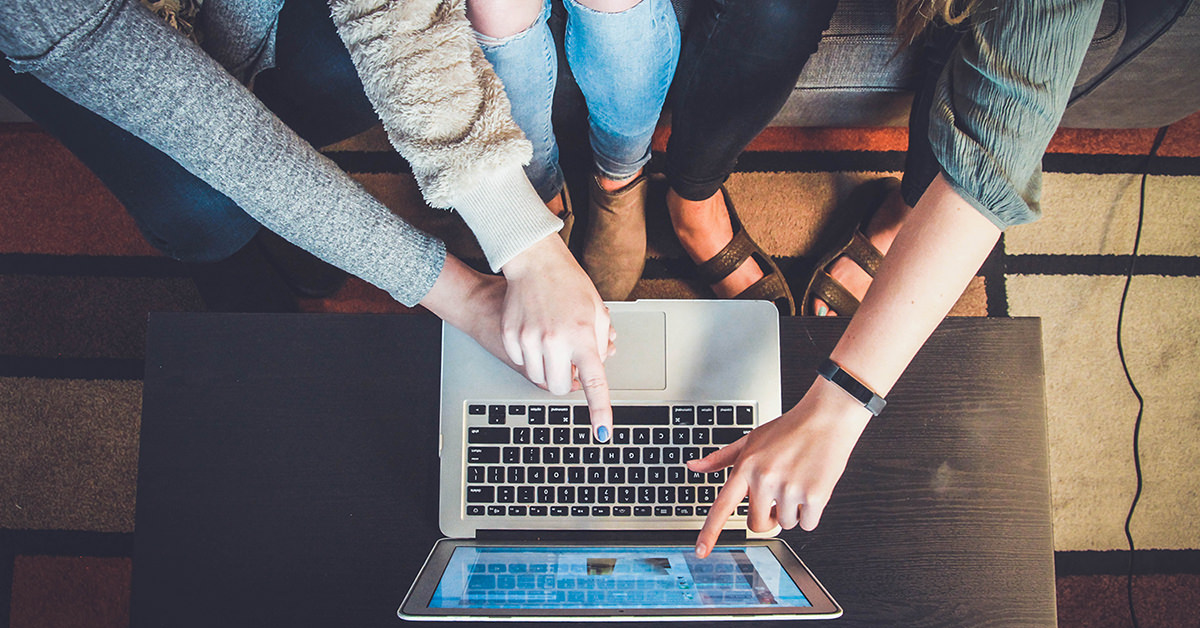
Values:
[(626, 536)]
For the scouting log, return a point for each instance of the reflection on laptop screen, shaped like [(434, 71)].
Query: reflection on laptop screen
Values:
[(608, 577)]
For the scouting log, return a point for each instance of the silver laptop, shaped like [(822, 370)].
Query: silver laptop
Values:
[(527, 494)]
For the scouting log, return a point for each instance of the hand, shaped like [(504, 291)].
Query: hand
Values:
[(788, 466), (556, 326)]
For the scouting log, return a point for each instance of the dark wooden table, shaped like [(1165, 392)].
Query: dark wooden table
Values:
[(288, 475)]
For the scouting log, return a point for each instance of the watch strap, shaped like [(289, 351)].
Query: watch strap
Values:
[(831, 371)]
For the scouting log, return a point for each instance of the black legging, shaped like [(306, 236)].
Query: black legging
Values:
[(739, 63)]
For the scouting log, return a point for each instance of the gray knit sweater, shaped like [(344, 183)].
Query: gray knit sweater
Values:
[(443, 110)]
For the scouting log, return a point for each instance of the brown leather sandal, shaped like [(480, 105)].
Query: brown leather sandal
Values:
[(864, 201), (772, 287)]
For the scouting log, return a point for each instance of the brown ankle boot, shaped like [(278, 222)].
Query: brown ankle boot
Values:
[(614, 249)]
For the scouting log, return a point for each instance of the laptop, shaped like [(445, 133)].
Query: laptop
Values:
[(544, 523)]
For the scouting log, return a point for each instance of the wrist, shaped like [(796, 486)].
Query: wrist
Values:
[(535, 258)]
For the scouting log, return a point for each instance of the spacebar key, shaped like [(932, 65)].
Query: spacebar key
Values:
[(641, 415)]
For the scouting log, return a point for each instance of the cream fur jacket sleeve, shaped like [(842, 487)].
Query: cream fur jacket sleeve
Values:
[(445, 111)]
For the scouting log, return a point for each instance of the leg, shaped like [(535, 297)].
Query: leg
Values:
[(623, 54), (920, 168), (517, 42), (739, 63)]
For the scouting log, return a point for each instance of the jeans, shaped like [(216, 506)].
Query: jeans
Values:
[(623, 63), (313, 87)]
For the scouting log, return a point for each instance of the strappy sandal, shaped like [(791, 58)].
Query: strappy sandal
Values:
[(772, 287), (864, 201)]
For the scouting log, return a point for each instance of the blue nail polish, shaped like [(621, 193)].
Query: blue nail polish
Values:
[(822, 311), (602, 433)]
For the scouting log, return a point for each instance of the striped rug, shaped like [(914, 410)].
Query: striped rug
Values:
[(76, 282)]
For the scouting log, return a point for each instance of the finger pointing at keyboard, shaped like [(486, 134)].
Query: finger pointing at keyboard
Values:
[(788, 466)]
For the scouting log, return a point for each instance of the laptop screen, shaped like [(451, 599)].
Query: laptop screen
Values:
[(593, 577)]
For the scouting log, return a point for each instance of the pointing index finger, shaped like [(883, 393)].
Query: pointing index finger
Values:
[(594, 382), (726, 503)]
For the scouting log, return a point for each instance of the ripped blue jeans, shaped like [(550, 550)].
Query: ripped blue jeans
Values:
[(623, 63)]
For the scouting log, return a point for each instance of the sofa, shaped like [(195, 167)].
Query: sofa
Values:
[(1142, 70)]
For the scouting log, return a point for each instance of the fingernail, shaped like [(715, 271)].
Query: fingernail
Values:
[(602, 434), (700, 549), (822, 311)]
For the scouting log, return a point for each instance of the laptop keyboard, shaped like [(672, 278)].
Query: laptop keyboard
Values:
[(538, 460)]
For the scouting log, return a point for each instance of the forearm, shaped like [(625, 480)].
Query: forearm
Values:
[(445, 111), (934, 257), (136, 72)]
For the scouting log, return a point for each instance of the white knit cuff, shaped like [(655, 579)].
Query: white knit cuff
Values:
[(506, 214)]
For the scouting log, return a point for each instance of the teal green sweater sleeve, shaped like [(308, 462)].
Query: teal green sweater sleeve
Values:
[(1000, 99)]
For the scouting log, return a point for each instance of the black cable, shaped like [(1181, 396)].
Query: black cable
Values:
[(1137, 424)]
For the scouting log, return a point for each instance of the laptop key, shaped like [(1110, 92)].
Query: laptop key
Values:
[(606, 494), (581, 436), (586, 494), (745, 415), (495, 475), (637, 475), (488, 435), (580, 511), (481, 494), (525, 494), (641, 415), (570, 455), (666, 494), (621, 511), (517, 511), (476, 409), (702, 511), (483, 455), (497, 415), (656, 475), (724, 415), (683, 415), (683, 511), (511, 455), (520, 436), (556, 475), (566, 494), (575, 475), (515, 475), (558, 415), (496, 511), (726, 435), (601, 511), (537, 511), (545, 494), (551, 455), (645, 494), (506, 494), (475, 510), (537, 415), (475, 475), (558, 511), (541, 436), (686, 494), (651, 455), (621, 436), (705, 415), (663, 511), (642, 511), (676, 475), (625, 494), (536, 475), (561, 435)]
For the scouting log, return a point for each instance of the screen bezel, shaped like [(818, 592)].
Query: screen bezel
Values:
[(416, 602)]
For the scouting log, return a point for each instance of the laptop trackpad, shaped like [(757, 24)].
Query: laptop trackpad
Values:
[(641, 359)]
